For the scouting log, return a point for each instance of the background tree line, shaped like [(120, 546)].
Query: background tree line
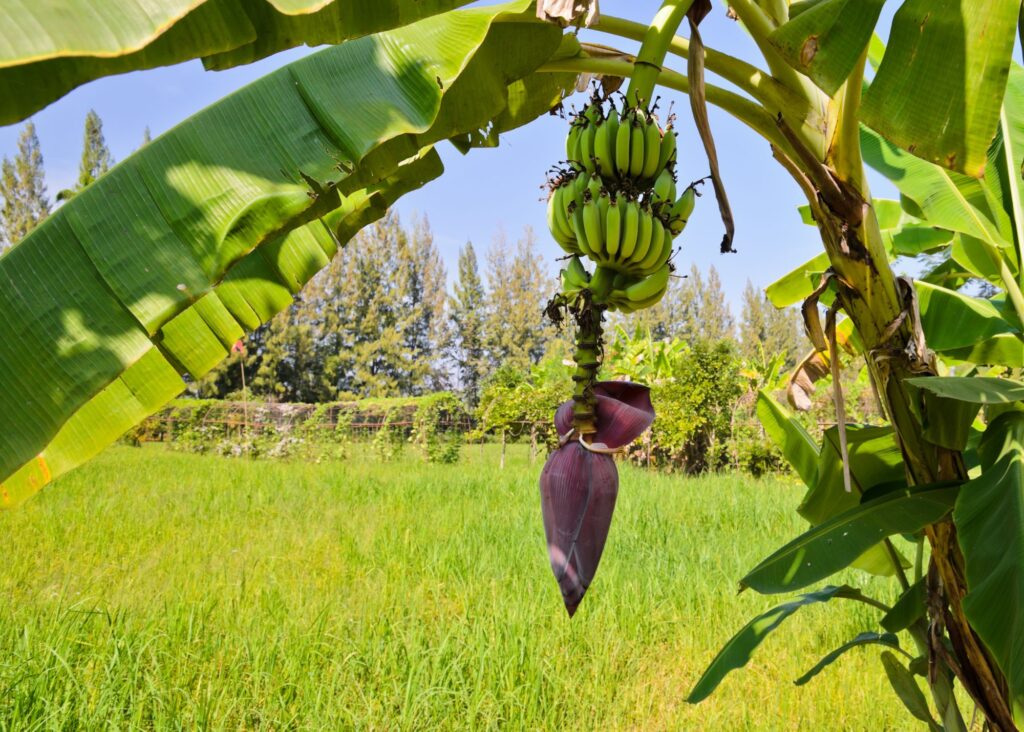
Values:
[(380, 320)]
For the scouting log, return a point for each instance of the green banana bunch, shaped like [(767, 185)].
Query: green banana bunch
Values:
[(617, 205), (641, 149), (631, 294), (621, 235), (574, 277)]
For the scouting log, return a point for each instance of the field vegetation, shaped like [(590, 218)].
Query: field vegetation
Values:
[(158, 589)]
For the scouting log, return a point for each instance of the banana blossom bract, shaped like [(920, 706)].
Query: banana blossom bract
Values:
[(578, 485)]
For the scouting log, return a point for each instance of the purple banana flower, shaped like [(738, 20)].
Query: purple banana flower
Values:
[(578, 486)]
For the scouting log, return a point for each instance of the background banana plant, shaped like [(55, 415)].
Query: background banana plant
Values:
[(151, 273)]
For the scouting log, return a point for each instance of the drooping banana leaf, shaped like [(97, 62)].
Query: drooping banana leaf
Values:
[(989, 517), (738, 651), (968, 328), (938, 90), (154, 270), (946, 199), (825, 41), (49, 47), (836, 543)]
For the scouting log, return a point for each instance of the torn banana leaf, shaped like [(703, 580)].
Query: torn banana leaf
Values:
[(152, 272), (48, 48)]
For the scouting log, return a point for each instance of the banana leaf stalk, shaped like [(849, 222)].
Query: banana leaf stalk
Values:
[(580, 482)]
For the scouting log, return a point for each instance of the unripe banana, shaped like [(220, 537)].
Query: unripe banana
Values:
[(653, 300), (667, 149), (579, 185), (681, 210), (652, 150), (649, 286), (574, 277), (622, 147), (659, 241), (621, 282), (603, 203), (572, 142), (644, 236), (587, 148), (601, 283), (578, 271), (636, 147), (613, 226), (558, 224), (665, 187), (630, 229), (594, 186), (604, 146), (592, 227), (580, 229)]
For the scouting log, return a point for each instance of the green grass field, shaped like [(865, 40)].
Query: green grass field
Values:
[(158, 590)]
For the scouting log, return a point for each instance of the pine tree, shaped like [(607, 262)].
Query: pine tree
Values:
[(147, 136), (763, 326), (467, 315), (517, 331), (421, 294), (23, 189), (714, 320), (96, 158), (289, 369)]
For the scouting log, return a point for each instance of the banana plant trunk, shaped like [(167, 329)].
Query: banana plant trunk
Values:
[(883, 309)]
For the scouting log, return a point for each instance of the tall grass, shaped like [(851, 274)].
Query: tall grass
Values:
[(167, 591)]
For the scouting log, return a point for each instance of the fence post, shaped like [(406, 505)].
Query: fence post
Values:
[(502, 449), (533, 443)]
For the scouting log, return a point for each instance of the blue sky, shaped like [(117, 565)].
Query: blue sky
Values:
[(488, 190)]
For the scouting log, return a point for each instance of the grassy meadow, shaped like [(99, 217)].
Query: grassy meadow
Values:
[(159, 590)]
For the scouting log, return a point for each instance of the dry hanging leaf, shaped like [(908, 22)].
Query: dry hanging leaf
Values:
[(568, 12)]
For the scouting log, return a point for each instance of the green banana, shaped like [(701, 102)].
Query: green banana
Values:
[(681, 210), (652, 150), (572, 142), (665, 187), (592, 227), (574, 277), (578, 271), (630, 229), (604, 146), (659, 241), (650, 285), (601, 283), (579, 227), (587, 148), (603, 204), (622, 147), (636, 146), (557, 222), (645, 232), (579, 185), (667, 149), (613, 226), (628, 306)]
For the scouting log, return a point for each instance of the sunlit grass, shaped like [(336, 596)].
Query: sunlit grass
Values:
[(159, 590)]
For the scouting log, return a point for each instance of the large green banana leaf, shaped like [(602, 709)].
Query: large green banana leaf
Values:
[(938, 90), (826, 40), (153, 271), (989, 517), (48, 47)]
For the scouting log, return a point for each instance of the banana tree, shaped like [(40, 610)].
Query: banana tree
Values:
[(150, 274)]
